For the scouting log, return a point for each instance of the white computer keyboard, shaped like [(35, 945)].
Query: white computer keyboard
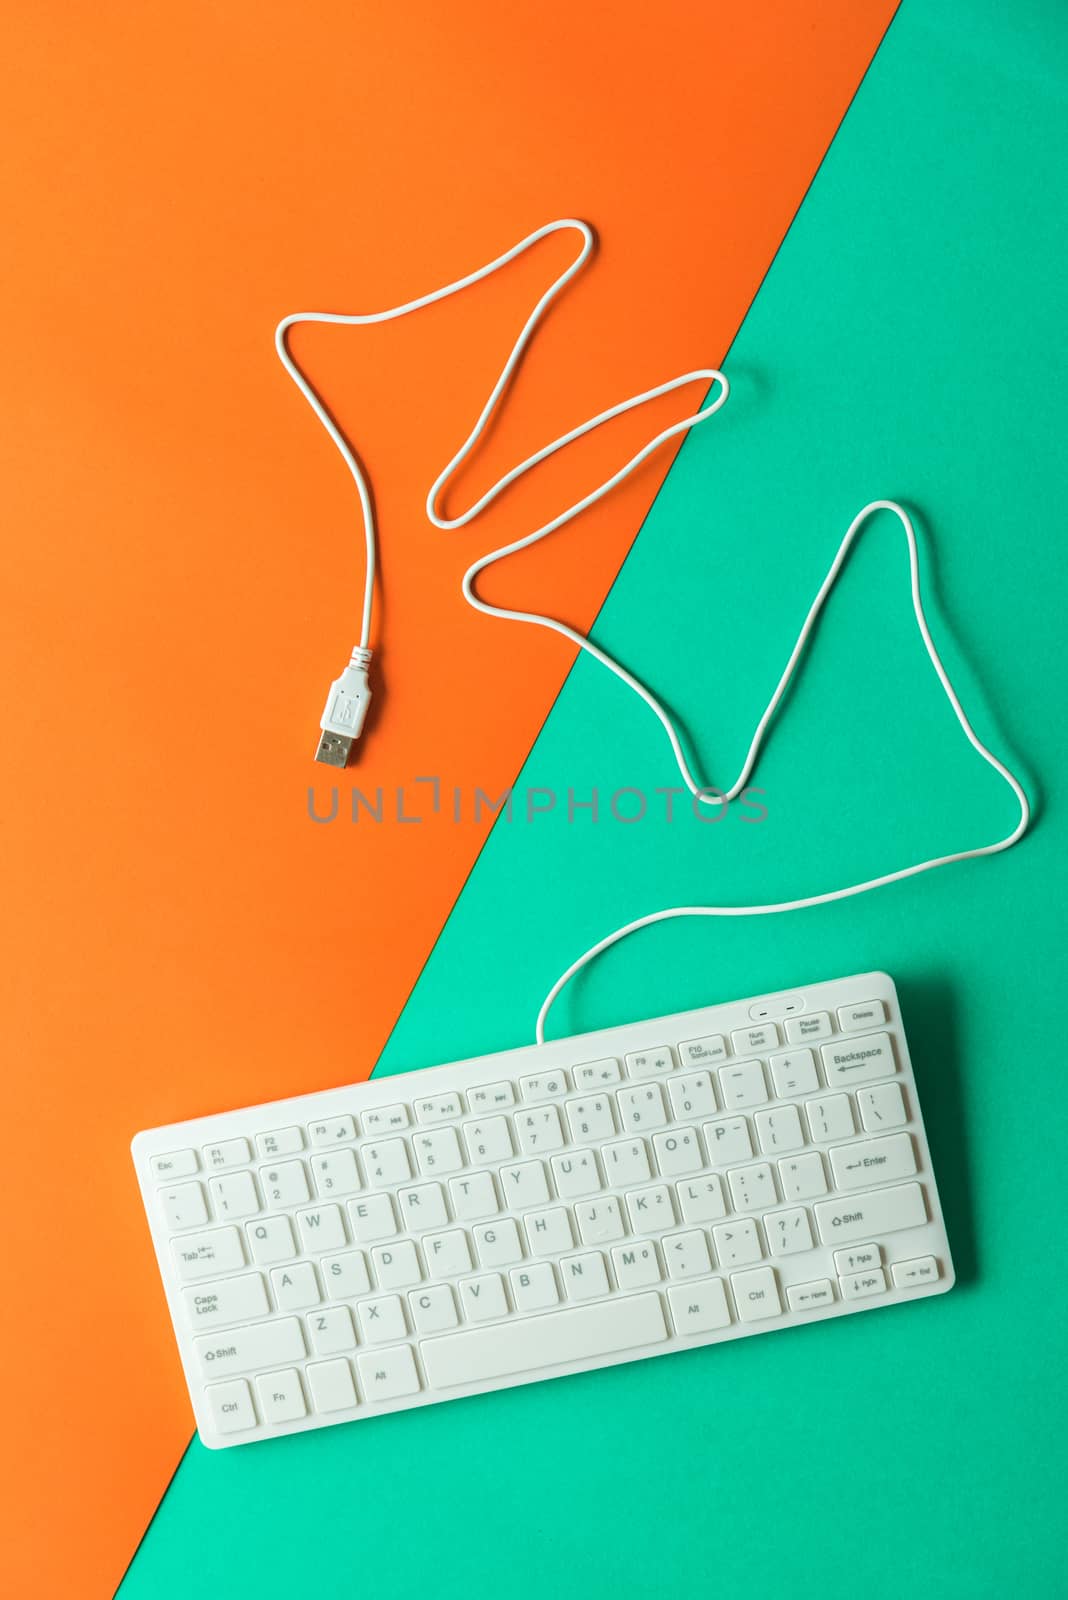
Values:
[(545, 1210)]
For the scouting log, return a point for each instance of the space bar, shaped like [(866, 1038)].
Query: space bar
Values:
[(603, 1329)]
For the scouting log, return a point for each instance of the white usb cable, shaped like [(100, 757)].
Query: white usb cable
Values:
[(347, 702), (350, 694)]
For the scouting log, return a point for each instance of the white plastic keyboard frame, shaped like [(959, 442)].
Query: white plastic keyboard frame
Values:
[(906, 1245)]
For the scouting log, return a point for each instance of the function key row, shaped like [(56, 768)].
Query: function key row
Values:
[(856, 1059), (634, 1107)]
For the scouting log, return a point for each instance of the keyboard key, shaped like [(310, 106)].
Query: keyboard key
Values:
[(636, 1266), (229, 1153), (585, 1276), (539, 1131), (779, 1131), (387, 1162), (803, 1177), (626, 1162), (433, 1309), (756, 1294), (738, 1243), (285, 1184), (650, 1209), (491, 1097), (860, 1060), (576, 1174), (295, 1287), (678, 1154), (862, 1285), (372, 1218), (230, 1406), (814, 1026), (641, 1109), (794, 1073), (331, 1385), (882, 1107), (692, 1095), (234, 1196), (176, 1164), (281, 1396), (381, 1120), (788, 1232), (488, 1140), (543, 1086), (755, 1041), (439, 1108), (559, 1338), (524, 1186), (830, 1118), (205, 1255), (280, 1142), (709, 1051), (600, 1221), (447, 1254), (231, 1300), (910, 1274), (346, 1276), (271, 1240), (396, 1266), (699, 1307), (262, 1344), (184, 1206), (534, 1287), (483, 1298), (654, 1063), (474, 1196), (742, 1086), (382, 1320), (728, 1140), (857, 1258), (810, 1296), (322, 1229), (686, 1254), (497, 1243), (387, 1374), (331, 1130), (866, 1014), (868, 1161), (548, 1232), (752, 1187), (701, 1199), (591, 1118), (869, 1216), (423, 1206), (595, 1074), (336, 1173)]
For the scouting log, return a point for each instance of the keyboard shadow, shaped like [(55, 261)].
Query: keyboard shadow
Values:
[(927, 1007)]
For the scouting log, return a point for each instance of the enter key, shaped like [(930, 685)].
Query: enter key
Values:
[(868, 1161)]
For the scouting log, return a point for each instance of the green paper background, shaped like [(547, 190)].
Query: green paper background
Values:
[(907, 342)]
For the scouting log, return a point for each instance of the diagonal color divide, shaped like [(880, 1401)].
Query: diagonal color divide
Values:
[(181, 544)]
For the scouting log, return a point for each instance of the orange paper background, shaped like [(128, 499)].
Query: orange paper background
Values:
[(183, 568)]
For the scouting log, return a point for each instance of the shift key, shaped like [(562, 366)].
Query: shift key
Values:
[(869, 1216), (264, 1344)]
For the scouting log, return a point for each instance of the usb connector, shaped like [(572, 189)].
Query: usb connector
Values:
[(346, 707)]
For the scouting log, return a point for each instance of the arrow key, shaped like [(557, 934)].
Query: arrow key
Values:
[(810, 1296)]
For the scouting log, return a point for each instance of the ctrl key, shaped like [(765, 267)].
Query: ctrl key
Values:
[(756, 1294), (230, 1405)]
